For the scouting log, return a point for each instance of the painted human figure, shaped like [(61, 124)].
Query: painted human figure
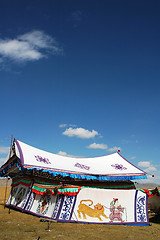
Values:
[(116, 211)]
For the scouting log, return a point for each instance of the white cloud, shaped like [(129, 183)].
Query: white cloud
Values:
[(62, 153), (114, 149), (151, 178), (77, 16), (148, 167), (80, 133), (66, 154), (2, 161), (30, 46), (17, 50), (131, 139), (38, 39), (151, 169), (133, 157), (144, 164), (97, 146), (63, 125), (4, 150), (67, 125)]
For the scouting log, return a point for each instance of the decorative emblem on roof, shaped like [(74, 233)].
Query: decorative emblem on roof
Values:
[(41, 159), (82, 166), (118, 166)]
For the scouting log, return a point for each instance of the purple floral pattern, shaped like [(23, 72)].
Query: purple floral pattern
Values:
[(41, 159), (118, 166), (82, 166)]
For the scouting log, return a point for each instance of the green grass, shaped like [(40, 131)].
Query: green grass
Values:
[(19, 226)]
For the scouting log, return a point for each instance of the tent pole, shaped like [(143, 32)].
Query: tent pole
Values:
[(5, 192), (8, 173)]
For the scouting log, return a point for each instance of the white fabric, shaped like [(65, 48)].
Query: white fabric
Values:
[(104, 165), (91, 197), (89, 206), (18, 196), (41, 210)]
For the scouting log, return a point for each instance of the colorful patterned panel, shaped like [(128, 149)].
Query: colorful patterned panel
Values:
[(141, 207), (67, 208)]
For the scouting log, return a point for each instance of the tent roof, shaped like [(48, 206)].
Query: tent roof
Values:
[(106, 168)]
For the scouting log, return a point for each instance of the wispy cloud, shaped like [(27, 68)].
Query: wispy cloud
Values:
[(148, 166), (4, 150), (97, 146), (76, 17), (114, 149), (133, 157), (2, 161), (66, 154), (103, 146), (144, 164), (131, 139), (63, 125), (80, 133), (30, 46), (151, 169)]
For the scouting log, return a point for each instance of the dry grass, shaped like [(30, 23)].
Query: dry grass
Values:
[(19, 226)]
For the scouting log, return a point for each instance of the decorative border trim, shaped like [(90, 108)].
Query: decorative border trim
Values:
[(20, 151), (131, 163)]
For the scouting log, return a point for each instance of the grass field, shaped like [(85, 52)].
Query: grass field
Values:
[(19, 226)]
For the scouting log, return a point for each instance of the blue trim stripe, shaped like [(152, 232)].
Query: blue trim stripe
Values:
[(135, 213), (106, 223), (72, 175), (78, 176)]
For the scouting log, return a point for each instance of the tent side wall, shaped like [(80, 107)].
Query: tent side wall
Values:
[(78, 203)]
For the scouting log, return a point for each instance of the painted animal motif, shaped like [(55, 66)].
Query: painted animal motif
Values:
[(85, 209)]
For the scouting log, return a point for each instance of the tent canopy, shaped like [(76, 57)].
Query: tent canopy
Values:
[(111, 167)]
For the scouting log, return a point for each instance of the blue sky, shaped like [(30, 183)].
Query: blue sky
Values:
[(82, 78)]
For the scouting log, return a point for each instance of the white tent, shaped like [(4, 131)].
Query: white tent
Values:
[(91, 190), (112, 167)]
